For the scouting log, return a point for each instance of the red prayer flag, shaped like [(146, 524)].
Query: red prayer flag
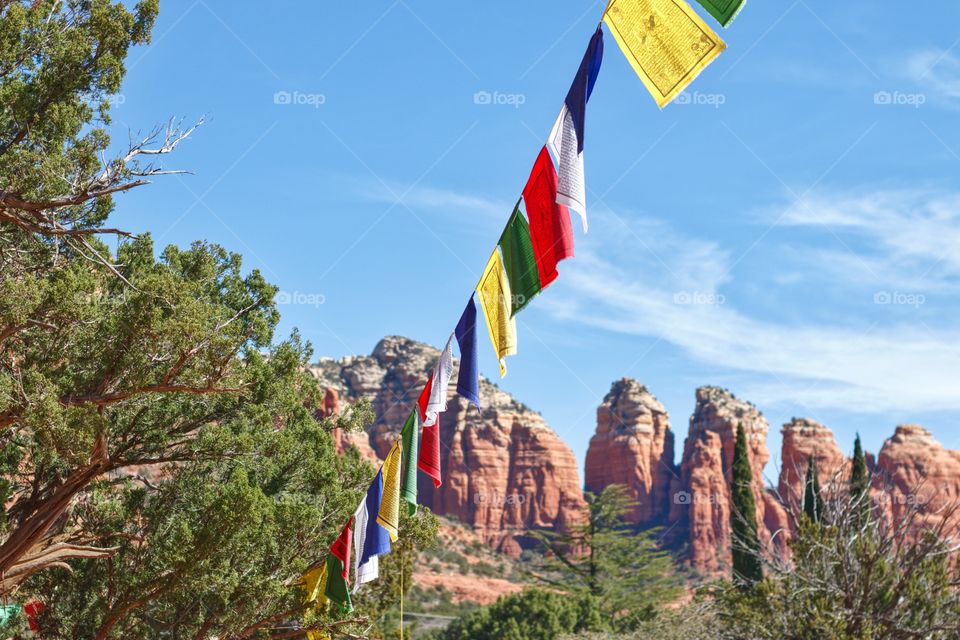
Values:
[(33, 609), (425, 398), (429, 459), (550, 229), (341, 548)]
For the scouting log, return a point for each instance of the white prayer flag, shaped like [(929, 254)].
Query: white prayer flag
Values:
[(571, 187), (437, 403), (370, 570)]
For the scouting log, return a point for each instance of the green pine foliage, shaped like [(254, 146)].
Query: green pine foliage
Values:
[(747, 567), (860, 480), (622, 569)]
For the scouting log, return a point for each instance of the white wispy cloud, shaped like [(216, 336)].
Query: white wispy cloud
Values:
[(935, 71), (425, 198), (877, 362), (911, 235)]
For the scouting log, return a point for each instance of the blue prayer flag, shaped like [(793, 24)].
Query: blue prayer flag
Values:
[(468, 380)]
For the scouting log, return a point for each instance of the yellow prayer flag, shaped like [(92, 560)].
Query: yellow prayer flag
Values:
[(665, 41), (389, 513), (495, 298), (315, 585), (318, 635)]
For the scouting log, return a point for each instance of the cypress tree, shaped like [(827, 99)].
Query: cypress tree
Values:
[(860, 479), (812, 500), (747, 569)]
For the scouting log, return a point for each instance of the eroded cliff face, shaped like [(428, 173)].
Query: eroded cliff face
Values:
[(505, 470), (700, 504), (633, 440), (920, 473), (633, 446)]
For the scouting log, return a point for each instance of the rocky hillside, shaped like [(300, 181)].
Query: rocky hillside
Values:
[(505, 470)]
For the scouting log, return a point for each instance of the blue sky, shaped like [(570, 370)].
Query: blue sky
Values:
[(790, 232)]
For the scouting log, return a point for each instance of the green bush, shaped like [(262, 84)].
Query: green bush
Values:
[(532, 614)]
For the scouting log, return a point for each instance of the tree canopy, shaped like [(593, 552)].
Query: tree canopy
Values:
[(163, 469)]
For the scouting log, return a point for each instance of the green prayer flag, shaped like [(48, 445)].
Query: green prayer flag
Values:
[(519, 261), (723, 10), (337, 589), (8, 613), (411, 447)]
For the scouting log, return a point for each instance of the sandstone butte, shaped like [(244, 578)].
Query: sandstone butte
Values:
[(506, 471)]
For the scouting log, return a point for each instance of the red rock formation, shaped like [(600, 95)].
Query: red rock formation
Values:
[(803, 438), (505, 471), (633, 446), (700, 509), (331, 403), (919, 472)]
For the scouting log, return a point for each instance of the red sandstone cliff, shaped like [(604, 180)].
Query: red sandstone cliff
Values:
[(633, 440), (633, 446), (700, 505), (920, 472), (803, 438), (505, 471)]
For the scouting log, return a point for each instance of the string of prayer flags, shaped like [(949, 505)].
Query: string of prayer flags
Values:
[(668, 45), (409, 436), (440, 383), (518, 261), (665, 41), (723, 10), (468, 379), (550, 230), (494, 290), (388, 514), (338, 569), (567, 137), (370, 539)]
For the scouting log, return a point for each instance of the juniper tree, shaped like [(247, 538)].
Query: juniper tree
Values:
[(605, 559), (860, 479), (161, 469), (812, 498), (745, 543)]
